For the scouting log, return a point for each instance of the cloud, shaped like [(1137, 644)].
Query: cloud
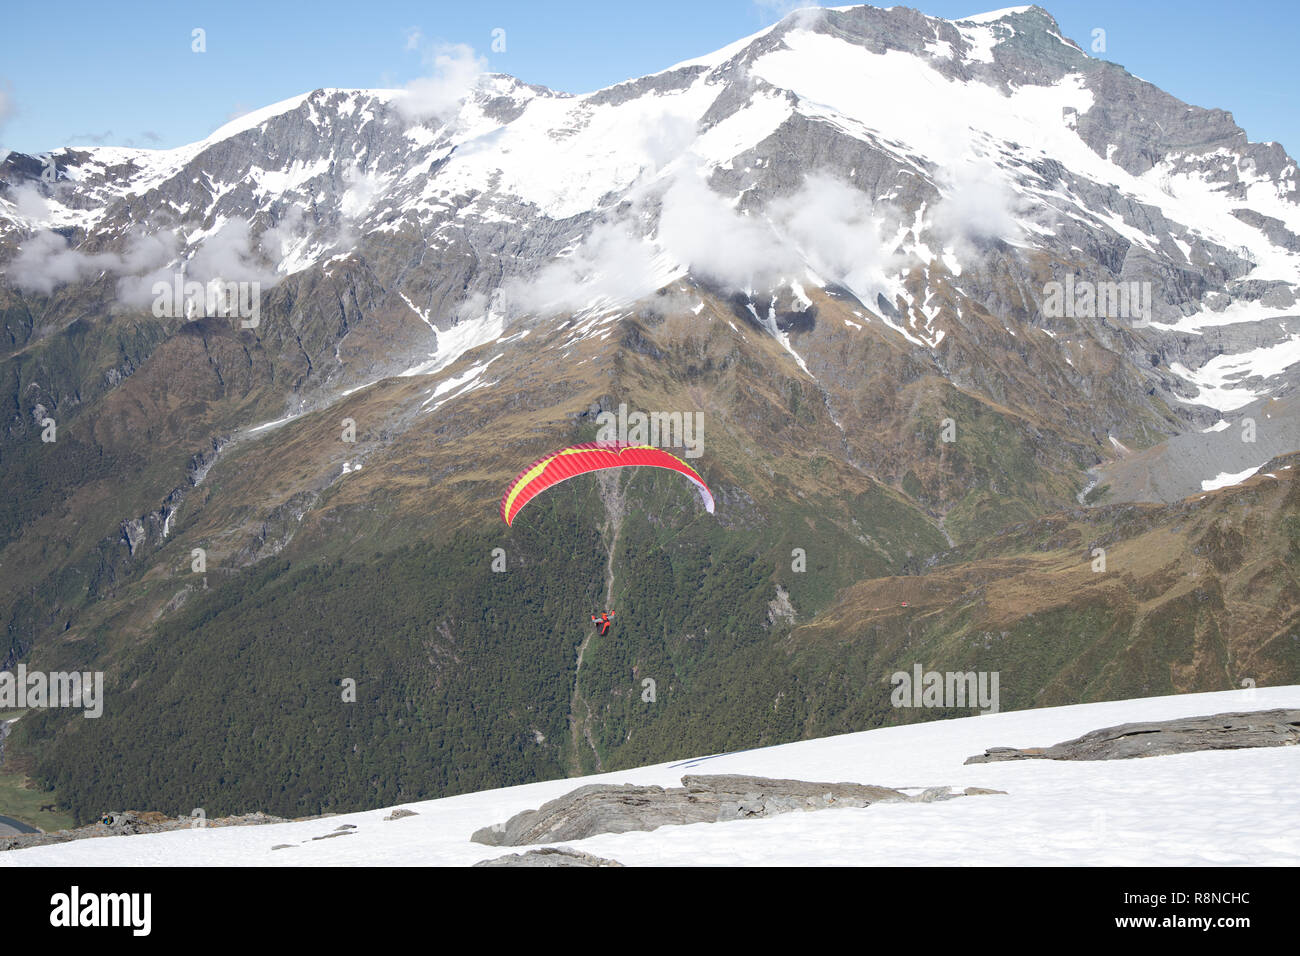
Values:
[(361, 191), (93, 139), (666, 137), (278, 241), (44, 261), (626, 258), (229, 255), (978, 206), (770, 11), (701, 230), (613, 263), (29, 202), (147, 252), (453, 71), (106, 138), (839, 231), (827, 225)]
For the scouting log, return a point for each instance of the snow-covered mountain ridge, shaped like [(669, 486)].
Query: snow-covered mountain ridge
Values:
[(926, 166)]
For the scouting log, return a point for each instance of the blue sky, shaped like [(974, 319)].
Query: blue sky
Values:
[(124, 73)]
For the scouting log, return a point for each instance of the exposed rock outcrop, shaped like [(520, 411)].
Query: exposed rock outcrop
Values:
[(1264, 728), (550, 856), (610, 808), (130, 823)]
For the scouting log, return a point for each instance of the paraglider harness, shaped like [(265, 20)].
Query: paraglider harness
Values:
[(603, 622)]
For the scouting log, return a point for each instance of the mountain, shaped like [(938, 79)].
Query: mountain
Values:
[(879, 254), (1196, 809)]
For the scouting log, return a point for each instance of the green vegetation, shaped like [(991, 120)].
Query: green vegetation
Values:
[(1291, 528), (464, 677), (237, 703), (39, 475), (21, 800), (1097, 495)]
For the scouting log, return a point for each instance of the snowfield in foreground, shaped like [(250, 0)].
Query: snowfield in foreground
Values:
[(1209, 808)]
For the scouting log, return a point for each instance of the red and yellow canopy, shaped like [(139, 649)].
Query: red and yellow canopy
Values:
[(593, 456)]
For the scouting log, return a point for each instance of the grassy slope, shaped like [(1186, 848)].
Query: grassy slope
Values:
[(1185, 604)]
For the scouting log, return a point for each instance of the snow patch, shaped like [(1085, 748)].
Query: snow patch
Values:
[(1224, 479)]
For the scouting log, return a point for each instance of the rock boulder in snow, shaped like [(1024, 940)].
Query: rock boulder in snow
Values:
[(550, 856), (1265, 728), (611, 808)]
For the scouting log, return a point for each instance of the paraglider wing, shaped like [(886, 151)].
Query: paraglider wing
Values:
[(575, 460)]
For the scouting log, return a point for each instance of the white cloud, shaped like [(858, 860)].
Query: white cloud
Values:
[(826, 224), (29, 203), (284, 235), (978, 206), (229, 255), (619, 261), (613, 263), (770, 11), (44, 261), (703, 231), (361, 191), (838, 230), (664, 138), (454, 70)]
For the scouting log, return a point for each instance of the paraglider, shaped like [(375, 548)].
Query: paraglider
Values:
[(577, 460)]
